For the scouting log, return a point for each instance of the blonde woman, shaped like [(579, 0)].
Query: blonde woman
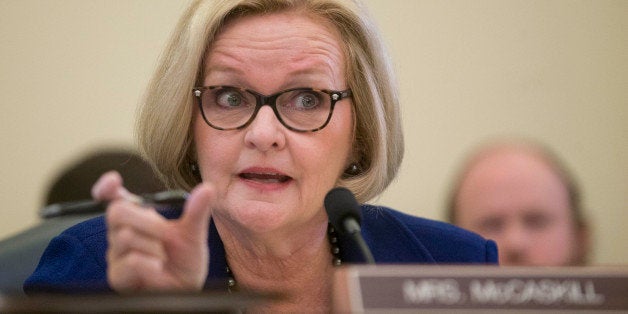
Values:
[(259, 108)]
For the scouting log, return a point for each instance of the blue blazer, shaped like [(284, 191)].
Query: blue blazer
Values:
[(74, 261)]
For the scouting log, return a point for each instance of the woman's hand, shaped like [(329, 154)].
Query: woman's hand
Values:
[(149, 252)]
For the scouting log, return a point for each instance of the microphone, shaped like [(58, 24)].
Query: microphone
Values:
[(172, 198), (343, 211)]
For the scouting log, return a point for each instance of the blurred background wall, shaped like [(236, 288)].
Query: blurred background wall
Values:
[(73, 71)]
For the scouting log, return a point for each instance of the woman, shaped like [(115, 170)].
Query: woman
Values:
[(258, 174)]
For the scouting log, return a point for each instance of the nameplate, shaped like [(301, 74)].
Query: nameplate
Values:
[(401, 288)]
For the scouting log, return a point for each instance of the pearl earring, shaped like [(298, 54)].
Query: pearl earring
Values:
[(353, 170), (195, 170)]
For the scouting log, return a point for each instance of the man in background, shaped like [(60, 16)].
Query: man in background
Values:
[(519, 194), (74, 181)]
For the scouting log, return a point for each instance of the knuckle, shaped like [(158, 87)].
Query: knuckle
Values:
[(124, 237), (134, 261), (115, 213)]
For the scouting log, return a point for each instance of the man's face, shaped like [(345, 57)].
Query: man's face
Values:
[(517, 200)]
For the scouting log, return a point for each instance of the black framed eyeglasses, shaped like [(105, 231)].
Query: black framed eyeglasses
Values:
[(298, 109)]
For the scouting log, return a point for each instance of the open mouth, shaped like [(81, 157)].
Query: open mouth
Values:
[(265, 177)]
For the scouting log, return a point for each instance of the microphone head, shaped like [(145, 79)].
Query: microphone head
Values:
[(340, 205)]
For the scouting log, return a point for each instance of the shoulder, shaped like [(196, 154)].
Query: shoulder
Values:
[(419, 226), (445, 243)]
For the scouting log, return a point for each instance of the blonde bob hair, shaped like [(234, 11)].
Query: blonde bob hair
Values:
[(164, 126)]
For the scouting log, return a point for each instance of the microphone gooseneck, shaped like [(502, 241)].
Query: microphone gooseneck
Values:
[(343, 211)]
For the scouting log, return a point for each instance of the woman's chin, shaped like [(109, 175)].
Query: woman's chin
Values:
[(259, 216)]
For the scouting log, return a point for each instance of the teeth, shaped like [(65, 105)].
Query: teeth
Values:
[(265, 177), (270, 180)]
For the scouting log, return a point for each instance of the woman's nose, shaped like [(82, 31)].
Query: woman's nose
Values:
[(265, 131)]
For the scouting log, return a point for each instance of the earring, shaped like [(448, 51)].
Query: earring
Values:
[(196, 172), (353, 170)]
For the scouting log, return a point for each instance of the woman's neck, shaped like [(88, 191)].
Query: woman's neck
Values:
[(297, 265)]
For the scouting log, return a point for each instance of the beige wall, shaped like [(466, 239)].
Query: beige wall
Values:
[(72, 71)]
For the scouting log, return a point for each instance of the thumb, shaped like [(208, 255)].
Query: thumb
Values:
[(198, 209)]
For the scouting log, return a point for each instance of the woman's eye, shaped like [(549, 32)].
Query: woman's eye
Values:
[(229, 99), (307, 100)]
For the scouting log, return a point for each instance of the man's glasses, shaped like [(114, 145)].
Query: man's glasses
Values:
[(298, 109)]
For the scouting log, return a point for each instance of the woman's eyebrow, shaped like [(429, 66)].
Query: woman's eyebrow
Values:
[(306, 77)]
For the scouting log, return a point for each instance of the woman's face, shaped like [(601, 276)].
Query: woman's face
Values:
[(268, 176)]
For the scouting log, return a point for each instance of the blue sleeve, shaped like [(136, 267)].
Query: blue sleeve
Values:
[(70, 265)]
